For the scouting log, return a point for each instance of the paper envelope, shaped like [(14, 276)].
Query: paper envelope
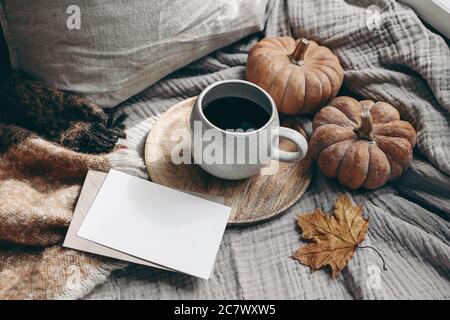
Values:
[(91, 186)]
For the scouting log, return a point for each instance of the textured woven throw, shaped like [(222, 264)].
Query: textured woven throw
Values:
[(48, 141)]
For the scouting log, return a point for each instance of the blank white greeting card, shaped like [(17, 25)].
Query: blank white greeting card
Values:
[(92, 184), (155, 223)]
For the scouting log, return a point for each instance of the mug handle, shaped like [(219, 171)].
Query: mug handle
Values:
[(296, 138)]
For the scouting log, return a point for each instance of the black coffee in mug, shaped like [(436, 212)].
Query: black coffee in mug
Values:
[(236, 113)]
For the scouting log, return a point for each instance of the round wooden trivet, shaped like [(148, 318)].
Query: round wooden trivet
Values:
[(253, 200)]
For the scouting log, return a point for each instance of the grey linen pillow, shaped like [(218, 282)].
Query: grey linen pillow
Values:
[(109, 50)]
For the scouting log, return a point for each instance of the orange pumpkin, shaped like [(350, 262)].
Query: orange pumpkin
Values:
[(363, 144), (301, 76)]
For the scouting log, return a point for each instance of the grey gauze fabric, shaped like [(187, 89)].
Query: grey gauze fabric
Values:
[(122, 47), (403, 63)]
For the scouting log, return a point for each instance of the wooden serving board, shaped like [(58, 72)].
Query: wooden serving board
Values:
[(253, 200)]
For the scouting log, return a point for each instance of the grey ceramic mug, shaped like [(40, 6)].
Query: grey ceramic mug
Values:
[(237, 155)]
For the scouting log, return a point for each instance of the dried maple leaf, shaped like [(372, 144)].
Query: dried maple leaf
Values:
[(335, 238)]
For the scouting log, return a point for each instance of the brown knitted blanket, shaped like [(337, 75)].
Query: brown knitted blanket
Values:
[(48, 141)]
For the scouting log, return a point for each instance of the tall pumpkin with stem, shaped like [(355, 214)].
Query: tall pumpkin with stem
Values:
[(301, 76)]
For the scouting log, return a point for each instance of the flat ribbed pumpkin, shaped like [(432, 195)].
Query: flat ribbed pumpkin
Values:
[(363, 144), (301, 76)]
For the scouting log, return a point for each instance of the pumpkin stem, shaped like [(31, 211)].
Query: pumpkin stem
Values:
[(298, 56), (366, 129)]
